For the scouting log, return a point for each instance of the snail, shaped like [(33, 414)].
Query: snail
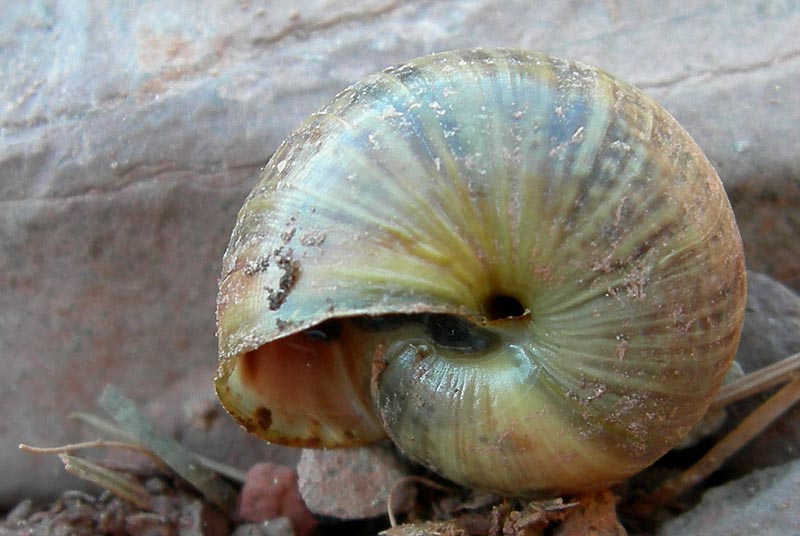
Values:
[(520, 269)]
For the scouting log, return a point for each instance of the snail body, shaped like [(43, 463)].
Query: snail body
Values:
[(520, 269)]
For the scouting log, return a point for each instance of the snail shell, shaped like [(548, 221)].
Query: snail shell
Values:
[(522, 270)]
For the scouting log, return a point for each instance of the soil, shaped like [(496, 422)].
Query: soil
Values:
[(176, 509)]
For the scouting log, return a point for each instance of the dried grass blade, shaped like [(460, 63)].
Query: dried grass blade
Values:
[(169, 450), (123, 486)]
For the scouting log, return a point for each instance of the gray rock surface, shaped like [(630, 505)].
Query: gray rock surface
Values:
[(130, 134), (771, 328), (275, 527), (771, 332), (765, 502)]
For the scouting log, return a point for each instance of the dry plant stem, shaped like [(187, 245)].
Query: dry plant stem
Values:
[(122, 485), (102, 425), (225, 470), (168, 449), (758, 381), (97, 443), (109, 427), (750, 427), (402, 482)]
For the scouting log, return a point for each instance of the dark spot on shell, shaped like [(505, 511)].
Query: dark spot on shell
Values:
[(263, 418), (349, 435), (283, 325), (290, 270), (248, 425), (255, 266)]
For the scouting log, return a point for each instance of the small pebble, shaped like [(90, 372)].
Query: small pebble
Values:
[(20, 511), (271, 491), (280, 526), (353, 483)]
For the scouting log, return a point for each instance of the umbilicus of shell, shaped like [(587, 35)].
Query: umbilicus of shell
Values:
[(520, 269)]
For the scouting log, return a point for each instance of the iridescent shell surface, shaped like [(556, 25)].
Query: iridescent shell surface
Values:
[(522, 270)]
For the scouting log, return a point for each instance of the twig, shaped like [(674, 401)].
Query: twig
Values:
[(758, 381), (750, 427), (109, 427), (97, 443)]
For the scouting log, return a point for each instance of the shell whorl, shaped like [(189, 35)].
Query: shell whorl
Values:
[(422, 194)]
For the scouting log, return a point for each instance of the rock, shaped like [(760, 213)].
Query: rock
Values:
[(148, 525), (20, 511), (130, 137), (351, 483), (765, 502), (594, 515), (771, 325), (280, 526), (198, 518), (184, 514), (271, 492), (771, 332), (768, 214)]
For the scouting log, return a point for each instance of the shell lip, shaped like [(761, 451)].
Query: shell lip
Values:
[(526, 316), (322, 403), (252, 426)]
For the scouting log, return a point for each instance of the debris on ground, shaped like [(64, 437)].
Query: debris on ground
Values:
[(174, 511)]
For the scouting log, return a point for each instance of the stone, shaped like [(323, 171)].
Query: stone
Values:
[(271, 491), (198, 518), (351, 483), (771, 328), (20, 511), (768, 214), (184, 514), (145, 524), (594, 515), (764, 502), (130, 137), (280, 526), (771, 332)]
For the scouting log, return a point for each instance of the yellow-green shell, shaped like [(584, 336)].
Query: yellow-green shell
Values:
[(435, 186)]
